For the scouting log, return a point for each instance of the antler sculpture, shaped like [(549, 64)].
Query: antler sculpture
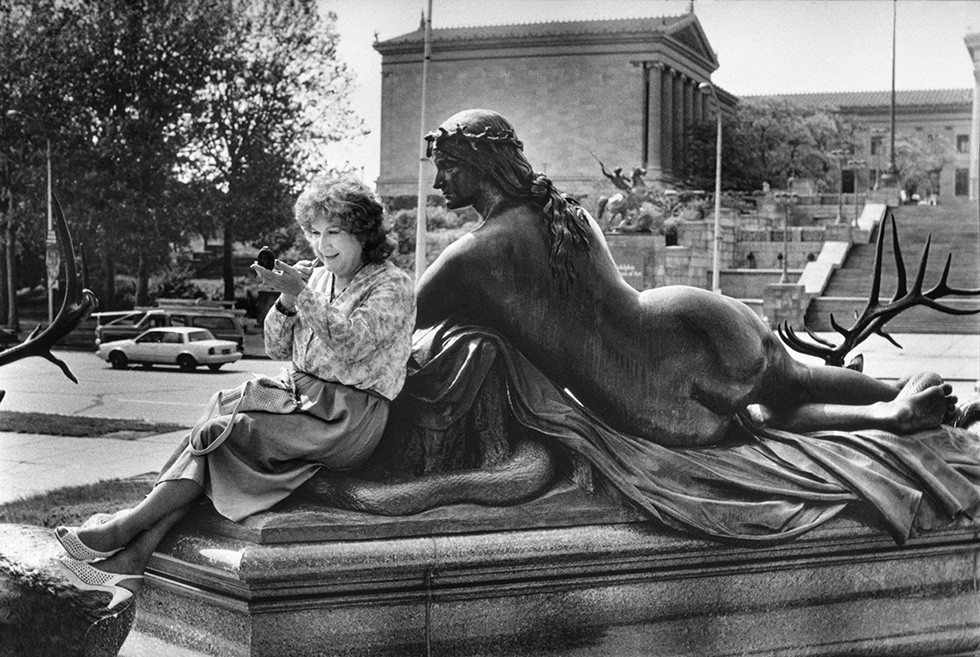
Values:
[(75, 307), (876, 314)]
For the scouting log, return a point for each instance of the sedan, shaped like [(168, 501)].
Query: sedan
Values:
[(184, 346)]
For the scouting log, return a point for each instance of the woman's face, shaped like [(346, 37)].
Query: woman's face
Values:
[(338, 250), (457, 182)]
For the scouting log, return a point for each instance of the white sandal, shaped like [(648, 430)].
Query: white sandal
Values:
[(68, 537), (89, 578)]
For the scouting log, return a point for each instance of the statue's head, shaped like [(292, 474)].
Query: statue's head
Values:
[(485, 142)]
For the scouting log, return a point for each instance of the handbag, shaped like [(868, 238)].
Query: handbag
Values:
[(260, 393)]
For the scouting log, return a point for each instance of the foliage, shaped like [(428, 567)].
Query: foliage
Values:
[(176, 283), (443, 228), (166, 118), (768, 141), (275, 85), (919, 159)]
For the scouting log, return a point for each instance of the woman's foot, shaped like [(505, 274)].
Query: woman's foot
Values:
[(121, 586), (77, 548)]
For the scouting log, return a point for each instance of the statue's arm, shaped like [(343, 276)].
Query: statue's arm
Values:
[(446, 288)]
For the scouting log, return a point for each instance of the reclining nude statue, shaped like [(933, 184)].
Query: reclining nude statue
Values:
[(681, 399)]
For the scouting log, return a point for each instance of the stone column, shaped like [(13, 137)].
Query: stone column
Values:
[(655, 123), (689, 100), (667, 122), (973, 46), (677, 134), (698, 104)]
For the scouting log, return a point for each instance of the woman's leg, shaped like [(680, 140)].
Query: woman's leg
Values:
[(134, 558), (164, 500)]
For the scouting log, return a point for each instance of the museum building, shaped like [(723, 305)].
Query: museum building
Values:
[(930, 113), (624, 92)]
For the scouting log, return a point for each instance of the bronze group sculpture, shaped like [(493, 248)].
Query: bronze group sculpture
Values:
[(683, 399)]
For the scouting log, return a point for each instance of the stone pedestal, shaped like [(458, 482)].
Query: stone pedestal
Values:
[(620, 588), (638, 257), (785, 302)]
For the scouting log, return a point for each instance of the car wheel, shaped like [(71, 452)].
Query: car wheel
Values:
[(118, 360), (214, 367), (186, 363)]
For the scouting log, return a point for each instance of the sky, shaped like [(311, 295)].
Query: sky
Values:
[(763, 46)]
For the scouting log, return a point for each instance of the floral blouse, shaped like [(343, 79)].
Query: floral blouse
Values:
[(363, 339)]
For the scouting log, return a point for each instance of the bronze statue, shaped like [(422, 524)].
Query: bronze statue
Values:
[(681, 399), (674, 365)]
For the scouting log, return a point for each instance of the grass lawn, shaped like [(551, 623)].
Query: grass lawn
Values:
[(77, 425), (75, 504)]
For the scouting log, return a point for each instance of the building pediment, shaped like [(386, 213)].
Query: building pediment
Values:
[(682, 34)]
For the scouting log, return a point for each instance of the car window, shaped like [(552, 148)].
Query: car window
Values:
[(178, 320), (127, 320), (155, 336), (215, 323), (172, 337), (198, 336)]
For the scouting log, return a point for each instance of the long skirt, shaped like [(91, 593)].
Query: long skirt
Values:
[(269, 455)]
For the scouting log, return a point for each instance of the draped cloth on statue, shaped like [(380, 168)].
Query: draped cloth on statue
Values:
[(757, 486)]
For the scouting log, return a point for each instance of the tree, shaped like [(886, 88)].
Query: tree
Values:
[(768, 141), (32, 109), (138, 75), (919, 159), (275, 88)]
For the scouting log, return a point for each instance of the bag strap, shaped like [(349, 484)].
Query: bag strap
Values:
[(193, 445)]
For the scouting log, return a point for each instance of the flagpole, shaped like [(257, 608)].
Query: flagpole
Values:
[(420, 211)]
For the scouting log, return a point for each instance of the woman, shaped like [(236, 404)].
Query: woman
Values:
[(346, 326)]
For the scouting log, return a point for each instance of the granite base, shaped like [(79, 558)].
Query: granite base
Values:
[(617, 588)]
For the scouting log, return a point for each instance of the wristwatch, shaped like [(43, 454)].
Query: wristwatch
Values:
[(284, 310)]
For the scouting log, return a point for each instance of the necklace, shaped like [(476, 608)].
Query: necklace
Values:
[(333, 284)]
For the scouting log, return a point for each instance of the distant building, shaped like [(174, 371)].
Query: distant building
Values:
[(927, 112), (623, 90)]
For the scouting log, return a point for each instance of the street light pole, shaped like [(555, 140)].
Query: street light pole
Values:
[(716, 246), (52, 257), (839, 155), (855, 165)]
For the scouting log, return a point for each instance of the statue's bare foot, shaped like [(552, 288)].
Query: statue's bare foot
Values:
[(920, 410)]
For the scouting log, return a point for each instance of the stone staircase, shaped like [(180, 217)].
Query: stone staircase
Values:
[(955, 230)]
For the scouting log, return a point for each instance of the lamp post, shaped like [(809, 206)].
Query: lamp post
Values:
[(840, 155), (52, 257), (786, 200), (854, 165), (715, 252)]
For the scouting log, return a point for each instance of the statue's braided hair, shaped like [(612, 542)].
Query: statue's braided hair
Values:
[(485, 141)]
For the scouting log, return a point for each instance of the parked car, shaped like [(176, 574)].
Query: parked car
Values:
[(116, 325), (183, 346)]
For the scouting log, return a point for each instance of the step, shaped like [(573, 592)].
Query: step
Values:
[(919, 319)]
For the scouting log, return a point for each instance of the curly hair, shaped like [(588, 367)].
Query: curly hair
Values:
[(348, 201), (486, 141)]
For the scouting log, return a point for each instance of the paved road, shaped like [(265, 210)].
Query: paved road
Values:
[(161, 394)]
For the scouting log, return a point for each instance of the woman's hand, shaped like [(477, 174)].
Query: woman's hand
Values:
[(286, 280), (305, 268)]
